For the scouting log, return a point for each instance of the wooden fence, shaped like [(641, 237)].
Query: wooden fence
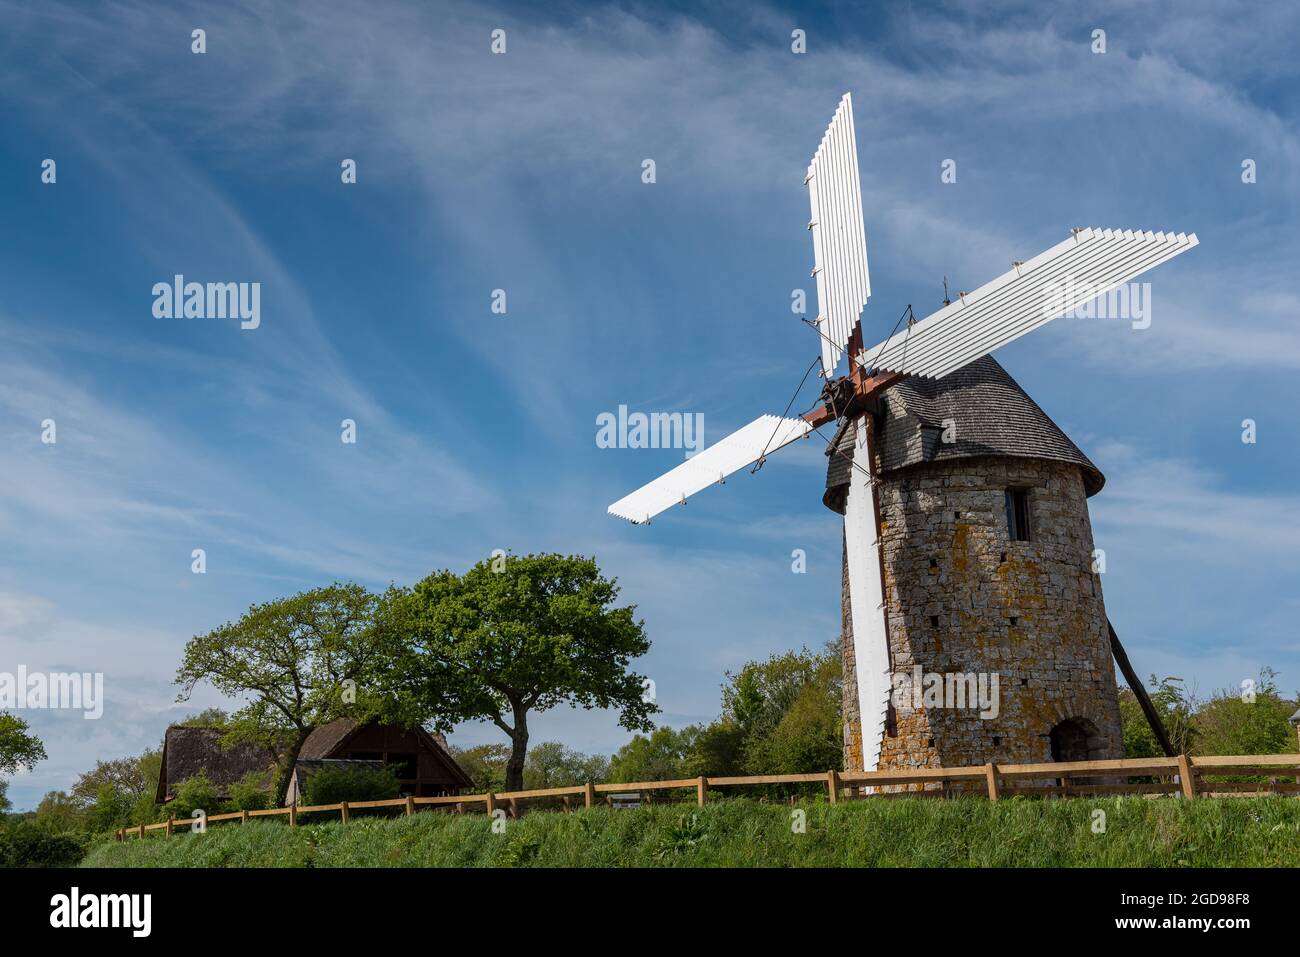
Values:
[(1183, 775)]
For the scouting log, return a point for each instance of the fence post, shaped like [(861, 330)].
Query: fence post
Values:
[(119, 834), (343, 811), (491, 803), (991, 778), (243, 817), (701, 789), (1185, 777), (410, 805), (142, 832), (171, 821), (833, 785), (293, 815), (589, 793), (568, 804)]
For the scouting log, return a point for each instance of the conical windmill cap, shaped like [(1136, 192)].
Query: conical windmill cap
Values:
[(992, 416)]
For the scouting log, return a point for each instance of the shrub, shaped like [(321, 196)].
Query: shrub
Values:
[(194, 794), (250, 793), (334, 785), (24, 843)]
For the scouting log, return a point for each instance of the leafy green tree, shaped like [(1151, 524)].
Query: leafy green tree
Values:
[(1177, 710), (663, 756), (19, 748), (1256, 724), (717, 749), (788, 710), (513, 636), (58, 813), (552, 765), (485, 764), (299, 662), (5, 803)]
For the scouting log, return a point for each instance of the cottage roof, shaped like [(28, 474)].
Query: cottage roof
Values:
[(189, 750)]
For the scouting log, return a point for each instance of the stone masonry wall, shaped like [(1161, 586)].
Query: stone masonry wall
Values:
[(963, 597)]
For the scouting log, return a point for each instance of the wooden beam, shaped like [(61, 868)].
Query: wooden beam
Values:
[(833, 786), (702, 790), (410, 805), (1139, 691), (343, 811), (589, 794)]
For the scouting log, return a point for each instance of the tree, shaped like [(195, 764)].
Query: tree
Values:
[(1231, 724), (485, 764), (552, 765), (299, 662), (18, 747), (1176, 708), (511, 637), (663, 756), (787, 710)]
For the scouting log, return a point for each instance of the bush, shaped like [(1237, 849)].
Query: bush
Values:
[(250, 794), (195, 794), (24, 843), (335, 785)]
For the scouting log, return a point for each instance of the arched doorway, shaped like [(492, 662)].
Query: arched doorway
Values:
[(1074, 739)]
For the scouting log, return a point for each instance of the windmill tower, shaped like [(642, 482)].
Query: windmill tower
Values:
[(967, 547)]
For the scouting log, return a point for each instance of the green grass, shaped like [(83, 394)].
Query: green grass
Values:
[(913, 832)]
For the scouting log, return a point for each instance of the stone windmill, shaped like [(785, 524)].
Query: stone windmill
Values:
[(968, 553)]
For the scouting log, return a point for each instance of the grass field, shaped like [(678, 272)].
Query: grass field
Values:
[(968, 832)]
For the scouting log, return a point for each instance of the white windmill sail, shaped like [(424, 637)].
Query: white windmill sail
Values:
[(866, 604), (839, 237), (1089, 264), (746, 445)]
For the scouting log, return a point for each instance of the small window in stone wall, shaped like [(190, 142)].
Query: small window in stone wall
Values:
[(1018, 529)]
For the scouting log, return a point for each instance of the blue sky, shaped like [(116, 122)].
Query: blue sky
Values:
[(522, 172)]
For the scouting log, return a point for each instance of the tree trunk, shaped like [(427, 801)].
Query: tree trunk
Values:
[(290, 758), (518, 751)]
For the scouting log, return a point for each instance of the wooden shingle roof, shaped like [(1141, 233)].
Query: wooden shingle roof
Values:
[(990, 414)]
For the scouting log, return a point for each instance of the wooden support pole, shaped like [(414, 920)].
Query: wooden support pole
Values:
[(119, 834), (491, 803), (833, 786), (293, 815), (410, 805), (702, 790), (343, 812), (991, 778), (142, 832), (243, 817), (1185, 776), (589, 793), (171, 822)]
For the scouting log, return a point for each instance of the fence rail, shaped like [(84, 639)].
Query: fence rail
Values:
[(1186, 775)]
